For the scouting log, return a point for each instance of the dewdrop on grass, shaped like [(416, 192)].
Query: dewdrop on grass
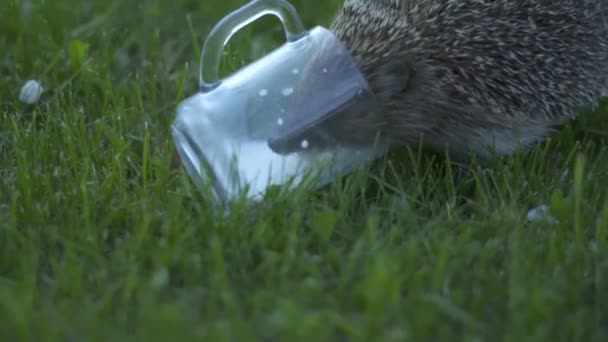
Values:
[(31, 92)]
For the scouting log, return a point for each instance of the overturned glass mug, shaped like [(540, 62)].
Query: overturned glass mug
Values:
[(235, 132)]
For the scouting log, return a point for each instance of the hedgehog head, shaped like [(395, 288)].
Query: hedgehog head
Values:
[(386, 69)]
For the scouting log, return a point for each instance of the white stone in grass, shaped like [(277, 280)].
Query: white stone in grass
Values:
[(31, 92), (160, 278), (541, 213)]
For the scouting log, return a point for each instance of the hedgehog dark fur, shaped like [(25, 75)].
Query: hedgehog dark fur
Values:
[(473, 75)]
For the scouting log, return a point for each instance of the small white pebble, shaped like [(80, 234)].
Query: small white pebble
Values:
[(295, 71), (280, 121), (304, 144), (31, 92), (540, 213), (287, 91), (263, 92)]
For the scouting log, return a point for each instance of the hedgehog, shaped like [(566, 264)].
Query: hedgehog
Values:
[(469, 77)]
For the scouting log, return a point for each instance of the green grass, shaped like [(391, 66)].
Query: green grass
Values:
[(101, 240)]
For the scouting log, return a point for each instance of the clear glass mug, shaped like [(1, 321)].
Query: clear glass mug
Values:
[(228, 132)]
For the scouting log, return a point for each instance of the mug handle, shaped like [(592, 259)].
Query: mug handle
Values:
[(232, 23)]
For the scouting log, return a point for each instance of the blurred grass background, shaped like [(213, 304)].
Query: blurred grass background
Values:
[(100, 240)]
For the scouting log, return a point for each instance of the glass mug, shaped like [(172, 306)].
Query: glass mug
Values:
[(231, 131)]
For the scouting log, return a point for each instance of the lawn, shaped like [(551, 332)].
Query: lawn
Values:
[(101, 240)]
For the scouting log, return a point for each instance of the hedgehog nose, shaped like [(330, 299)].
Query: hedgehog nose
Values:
[(279, 146), (311, 138)]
